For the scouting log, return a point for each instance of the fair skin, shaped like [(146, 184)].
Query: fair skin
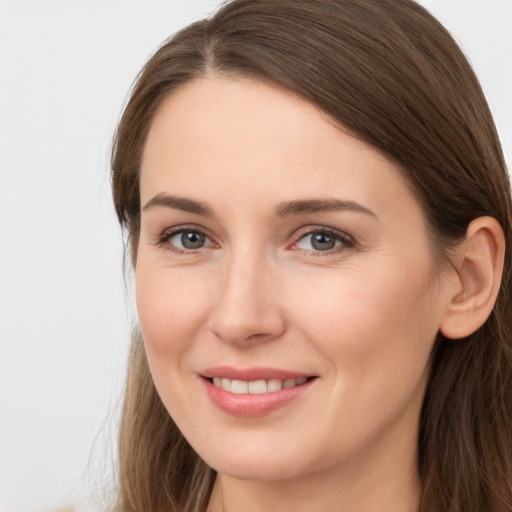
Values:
[(271, 239)]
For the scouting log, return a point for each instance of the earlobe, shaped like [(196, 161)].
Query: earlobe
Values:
[(479, 267)]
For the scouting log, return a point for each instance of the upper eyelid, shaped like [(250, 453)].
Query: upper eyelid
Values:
[(174, 230), (347, 241), (311, 229), (165, 235)]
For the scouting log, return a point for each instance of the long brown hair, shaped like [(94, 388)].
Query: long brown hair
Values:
[(388, 72)]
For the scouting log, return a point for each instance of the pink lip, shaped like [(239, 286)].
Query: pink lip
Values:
[(248, 405), (251, 374)]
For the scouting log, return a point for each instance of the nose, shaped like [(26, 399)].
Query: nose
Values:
[(248, 307)]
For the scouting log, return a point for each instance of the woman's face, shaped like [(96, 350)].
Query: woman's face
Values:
[(286, 288)]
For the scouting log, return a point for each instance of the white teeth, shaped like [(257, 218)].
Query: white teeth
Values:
[(239, 387), (256, 387), (275, 385), (226, 384), (289, 383)]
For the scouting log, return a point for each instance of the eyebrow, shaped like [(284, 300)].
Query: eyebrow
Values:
[(305, 206), (284, 209), (179, 203)]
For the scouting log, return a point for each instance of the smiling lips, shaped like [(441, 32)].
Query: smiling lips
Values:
[(256, 387), (253, 392)]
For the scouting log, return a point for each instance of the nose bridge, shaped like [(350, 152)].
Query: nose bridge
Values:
[(247, 306)]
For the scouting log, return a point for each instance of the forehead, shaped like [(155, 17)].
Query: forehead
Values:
[(244, 140)]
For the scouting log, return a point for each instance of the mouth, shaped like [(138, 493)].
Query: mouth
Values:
[(255, 392), (256, 387)]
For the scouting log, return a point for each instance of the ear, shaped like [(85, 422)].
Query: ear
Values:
[(479, 265)]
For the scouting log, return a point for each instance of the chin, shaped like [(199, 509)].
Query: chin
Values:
[(264, 471), (254, 463)]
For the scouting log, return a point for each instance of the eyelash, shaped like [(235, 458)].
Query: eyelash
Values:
[(166, 236), (346, 241)]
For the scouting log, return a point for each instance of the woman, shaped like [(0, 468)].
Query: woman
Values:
[(319, 218)]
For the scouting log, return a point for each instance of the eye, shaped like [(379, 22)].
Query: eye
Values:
[(186, 240), (323, 241)]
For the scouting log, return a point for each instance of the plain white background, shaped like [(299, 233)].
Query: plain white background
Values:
[(65, 70)]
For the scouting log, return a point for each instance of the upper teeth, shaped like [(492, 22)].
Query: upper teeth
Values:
[(256, 387)]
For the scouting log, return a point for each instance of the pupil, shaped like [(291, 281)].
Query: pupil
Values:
[(192, 240), (322, 242)]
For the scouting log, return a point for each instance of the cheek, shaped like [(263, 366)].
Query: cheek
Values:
[(171, 309), (374, 326), (376, 334), (171, 313)]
